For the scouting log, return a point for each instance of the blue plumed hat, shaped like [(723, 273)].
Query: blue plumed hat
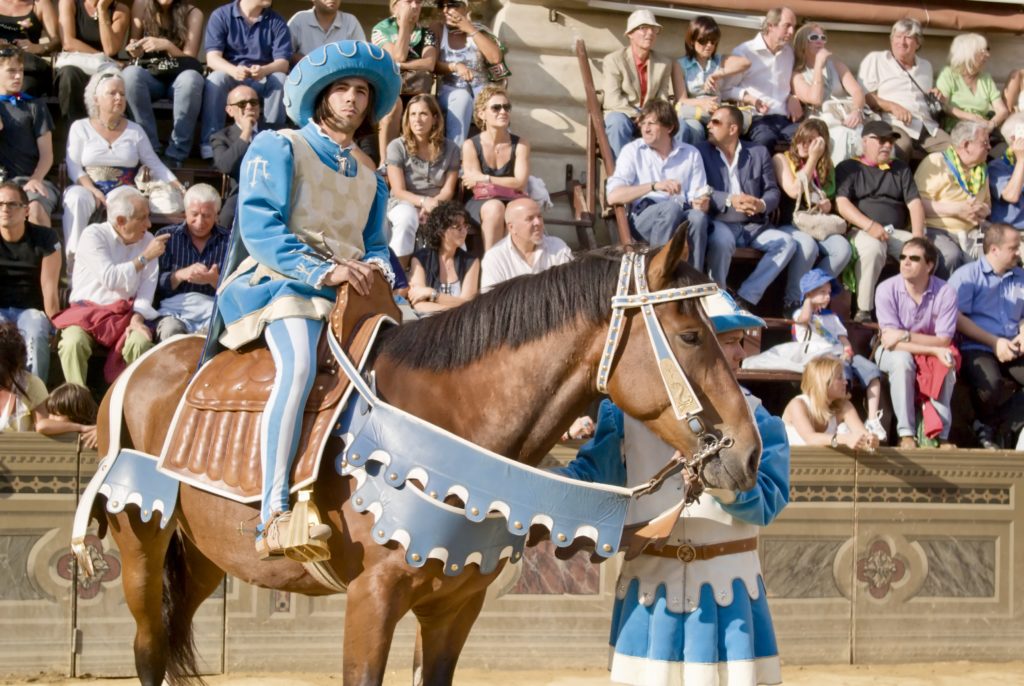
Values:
[(339, 60)]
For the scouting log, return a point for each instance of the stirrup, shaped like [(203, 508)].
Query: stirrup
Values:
[(306, 543), (298, 535)]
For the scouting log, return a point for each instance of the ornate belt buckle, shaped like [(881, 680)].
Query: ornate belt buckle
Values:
[(686, 553)]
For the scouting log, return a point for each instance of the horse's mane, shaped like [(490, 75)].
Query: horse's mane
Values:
[(512, 314)]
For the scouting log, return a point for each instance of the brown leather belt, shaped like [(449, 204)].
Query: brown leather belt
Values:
[(687, 552)]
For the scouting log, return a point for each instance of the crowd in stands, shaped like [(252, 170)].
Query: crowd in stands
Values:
[(778, 146)]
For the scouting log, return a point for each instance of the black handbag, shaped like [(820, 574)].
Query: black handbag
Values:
[(165, 67)]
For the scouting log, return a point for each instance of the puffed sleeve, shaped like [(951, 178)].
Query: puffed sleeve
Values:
[(375, 241), (762, 503), (599, 460), (264, 208)]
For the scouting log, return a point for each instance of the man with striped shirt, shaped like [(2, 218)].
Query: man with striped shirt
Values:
[(190, 266)]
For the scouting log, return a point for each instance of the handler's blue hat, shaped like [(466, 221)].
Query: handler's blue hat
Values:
[(339, 60), (726, 315)]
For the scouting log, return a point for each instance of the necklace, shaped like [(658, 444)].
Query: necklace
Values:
[(111, 127)]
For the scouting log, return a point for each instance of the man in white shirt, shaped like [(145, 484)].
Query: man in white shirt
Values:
[(325, 23), (898, 84), (766, 85), (525, 250), (663, 182), (113, 284)]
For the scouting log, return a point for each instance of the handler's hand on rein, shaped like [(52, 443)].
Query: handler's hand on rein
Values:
[(359, 274)]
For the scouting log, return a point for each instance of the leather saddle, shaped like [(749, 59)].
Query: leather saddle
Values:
[(213, 443)]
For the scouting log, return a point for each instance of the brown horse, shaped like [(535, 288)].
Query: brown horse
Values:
[(508, 371)]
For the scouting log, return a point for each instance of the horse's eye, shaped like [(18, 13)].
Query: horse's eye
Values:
[(690, 338)]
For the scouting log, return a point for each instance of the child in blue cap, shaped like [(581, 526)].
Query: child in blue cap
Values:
[(816, 323)]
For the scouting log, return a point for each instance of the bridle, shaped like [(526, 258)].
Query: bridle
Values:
[(685, 404)]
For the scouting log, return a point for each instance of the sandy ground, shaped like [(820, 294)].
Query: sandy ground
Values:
[(930, 674)]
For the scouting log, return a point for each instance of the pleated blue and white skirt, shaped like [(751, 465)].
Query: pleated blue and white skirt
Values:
[(714, 645)]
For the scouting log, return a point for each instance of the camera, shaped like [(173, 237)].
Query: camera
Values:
[(935, 107)]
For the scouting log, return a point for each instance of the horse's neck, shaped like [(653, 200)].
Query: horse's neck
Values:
[(514, 402)]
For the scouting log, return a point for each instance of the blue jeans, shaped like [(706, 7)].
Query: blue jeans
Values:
[(834, 253), (621, 129), (35, 328), (778, 248), (657, 223), (457, 104), (691, 131), (215, 98), (186, 93), (769, 129)]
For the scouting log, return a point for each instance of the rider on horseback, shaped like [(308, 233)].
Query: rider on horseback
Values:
[(311, 216)]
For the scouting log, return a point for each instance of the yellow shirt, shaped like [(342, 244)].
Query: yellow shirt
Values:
[(936, 182)]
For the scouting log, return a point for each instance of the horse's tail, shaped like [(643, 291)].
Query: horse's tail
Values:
[(182, 663)]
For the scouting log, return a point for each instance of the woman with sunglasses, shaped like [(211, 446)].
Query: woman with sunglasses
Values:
[(22, 23), (470, 56), (443, 274), (808, 158), (971, 94), (703, 71), (423, 171), (828, 90), (495, 164)]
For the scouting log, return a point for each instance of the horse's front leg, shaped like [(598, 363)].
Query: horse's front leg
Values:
[(443, 631), (377, 599), (143, 548)]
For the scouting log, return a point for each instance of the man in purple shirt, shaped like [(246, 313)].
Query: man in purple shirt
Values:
[(246, 42), (917, 315), (990, 296)]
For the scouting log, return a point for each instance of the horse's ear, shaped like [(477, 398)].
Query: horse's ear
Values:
[(663, 266)]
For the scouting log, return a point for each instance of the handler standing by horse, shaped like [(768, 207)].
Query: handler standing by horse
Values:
[(694, 612), (311, 215)]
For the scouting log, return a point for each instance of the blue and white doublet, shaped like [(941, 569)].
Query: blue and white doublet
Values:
[(304, 204), (705, 622)]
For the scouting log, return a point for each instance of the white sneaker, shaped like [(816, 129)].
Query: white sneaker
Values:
[(874, 425)]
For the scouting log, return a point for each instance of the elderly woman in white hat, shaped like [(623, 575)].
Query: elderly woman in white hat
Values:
[(694, 611), (311, 215)]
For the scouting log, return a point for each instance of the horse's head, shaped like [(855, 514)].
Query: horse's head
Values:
[(636, 382)]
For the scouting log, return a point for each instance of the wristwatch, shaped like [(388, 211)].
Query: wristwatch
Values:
[(835, 440), (142, 260), (728, 201), (905, 338)]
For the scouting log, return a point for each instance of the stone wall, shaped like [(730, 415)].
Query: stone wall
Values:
[(891, 557)]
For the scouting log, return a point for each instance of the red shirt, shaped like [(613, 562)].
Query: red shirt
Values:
[(641, 69)]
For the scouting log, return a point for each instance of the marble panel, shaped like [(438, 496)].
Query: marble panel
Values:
[(959, 568), (14, 555), (545, 574), (799, 568)]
